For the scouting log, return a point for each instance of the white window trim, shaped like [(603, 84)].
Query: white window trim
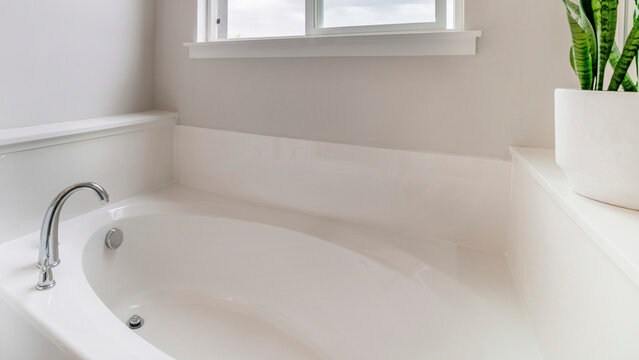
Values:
[(393, 40)]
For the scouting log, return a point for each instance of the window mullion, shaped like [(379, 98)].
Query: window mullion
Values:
[(202, 20), (311, 16), (459, 15), (440, 13), (210, 15), (319, 14)]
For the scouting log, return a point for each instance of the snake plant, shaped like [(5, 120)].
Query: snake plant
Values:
[(593, 25)]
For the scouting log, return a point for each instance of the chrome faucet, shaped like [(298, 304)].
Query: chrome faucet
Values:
[(49, 257)]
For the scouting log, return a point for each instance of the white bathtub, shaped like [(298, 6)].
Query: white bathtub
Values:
[(220, 278)]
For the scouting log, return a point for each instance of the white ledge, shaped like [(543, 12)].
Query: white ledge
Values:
[(387, 44), (613, 229), (33, 137)]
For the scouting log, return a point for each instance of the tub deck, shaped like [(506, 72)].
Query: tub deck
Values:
[(473, 288)]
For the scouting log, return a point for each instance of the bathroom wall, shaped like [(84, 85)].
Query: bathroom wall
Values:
[(475, 105), (74, 59)]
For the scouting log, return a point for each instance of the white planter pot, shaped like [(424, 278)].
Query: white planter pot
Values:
[(597, 144)]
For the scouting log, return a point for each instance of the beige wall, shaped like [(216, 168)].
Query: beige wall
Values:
[(476, 105), (74, 59)]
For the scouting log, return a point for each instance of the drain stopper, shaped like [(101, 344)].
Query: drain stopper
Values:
[(135, 322)]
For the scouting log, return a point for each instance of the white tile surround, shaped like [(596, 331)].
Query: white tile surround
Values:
[(444, 197), (126, 164), (438, 196), (575, 261), (458, 199), (572, 259)]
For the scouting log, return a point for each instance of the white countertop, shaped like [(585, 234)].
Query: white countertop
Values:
[(614, 229)]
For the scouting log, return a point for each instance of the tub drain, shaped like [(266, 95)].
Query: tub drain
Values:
[(135, 322)]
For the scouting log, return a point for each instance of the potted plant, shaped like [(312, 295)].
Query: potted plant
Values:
[(597, 132)]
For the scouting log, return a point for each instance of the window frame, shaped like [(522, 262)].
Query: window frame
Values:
[(209, 29), (315, 22)]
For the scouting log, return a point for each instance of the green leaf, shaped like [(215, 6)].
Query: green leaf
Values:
[(635, 16), (585, 21), (572, 6), (605, 20), (580, 14), (628, 53), (582, 59), (627, 84), (586, 7)]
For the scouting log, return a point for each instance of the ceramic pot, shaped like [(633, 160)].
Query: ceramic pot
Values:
[(597, 144)]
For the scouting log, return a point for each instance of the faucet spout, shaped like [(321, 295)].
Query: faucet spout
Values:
[(48, 256)]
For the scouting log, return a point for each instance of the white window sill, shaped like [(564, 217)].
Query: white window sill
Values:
[(388, 44)]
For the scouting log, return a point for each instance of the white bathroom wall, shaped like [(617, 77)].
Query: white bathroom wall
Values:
[(432, 195), (74, 59), (475, 105), (125, 164)]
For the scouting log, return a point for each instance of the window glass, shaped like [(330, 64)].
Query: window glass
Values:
[(342, 13), (265, 18)]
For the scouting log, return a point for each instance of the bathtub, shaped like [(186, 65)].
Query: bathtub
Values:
[(220, 278)]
